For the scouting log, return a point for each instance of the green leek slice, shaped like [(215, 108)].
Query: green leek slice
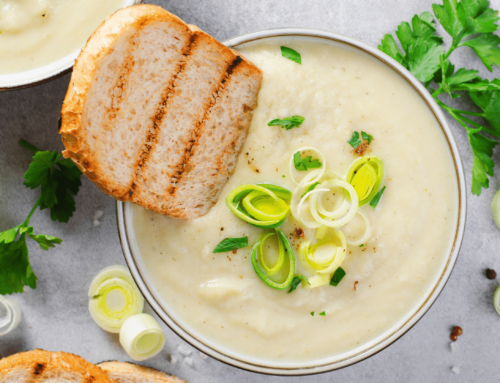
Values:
[(142, 337), (259, 205), (114, 297), (366, 175), (259, 267), (281, 259)]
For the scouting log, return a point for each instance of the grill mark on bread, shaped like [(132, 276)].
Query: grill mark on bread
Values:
[(161, 111), (39, 367), (198, 130)]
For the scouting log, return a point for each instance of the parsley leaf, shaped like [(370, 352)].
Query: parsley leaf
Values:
[(303, 164), (322, 313), (452, 17), (296, 282), (482, 164), (486, 47), (337, 276), (291, 54), (287, 122), (229, 244), (375, 200), (57, 184), (480, 18), (354, 141), (367, 137)]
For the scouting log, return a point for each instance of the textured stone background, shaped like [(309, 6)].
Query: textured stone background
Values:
[(56, 315)]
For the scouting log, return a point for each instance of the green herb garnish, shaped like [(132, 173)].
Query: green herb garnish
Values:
[(296, 282), (229, 244), (309, 188), (361, 245), (304, 164), (287, 122), (59, 180), (291, 54), (470, 23), (354, 141), (322, 313), (312, 313), (367, 137), (376, 199), (337, 276)]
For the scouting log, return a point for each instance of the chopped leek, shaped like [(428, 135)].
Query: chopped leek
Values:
[(495, 207), (376, 199), (10, 314), (281, 259), (366, 175), (325, 256), (317, 281), (142, 337), (337, 276), (368, 231), (259, 267), (114, 297), (260, 205), (496, 300)]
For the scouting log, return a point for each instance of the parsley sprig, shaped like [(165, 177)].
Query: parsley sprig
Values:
[(470, 23), (59, 180)]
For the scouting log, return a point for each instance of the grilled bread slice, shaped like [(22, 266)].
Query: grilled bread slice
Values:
[(133, 373), (157, 111), (39, 366)]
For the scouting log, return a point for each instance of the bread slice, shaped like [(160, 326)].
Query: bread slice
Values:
[(133, 373), (39, 366), (157, 111)]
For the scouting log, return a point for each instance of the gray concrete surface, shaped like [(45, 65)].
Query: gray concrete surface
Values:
[(56, 315)]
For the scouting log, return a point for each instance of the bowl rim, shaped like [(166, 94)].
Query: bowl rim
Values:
[(398, 330), (48, 72)]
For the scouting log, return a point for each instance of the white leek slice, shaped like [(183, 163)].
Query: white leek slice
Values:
[(339, 257), (496, 300), (368, 230), (323, 188), (113, 298), (319, 172), (11, 314), (495, 206), (142, 337), (310, 224), (317, 281)]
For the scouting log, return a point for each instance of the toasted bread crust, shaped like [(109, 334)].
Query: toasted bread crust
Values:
[(99, 45), (39, 366), (133, 373)]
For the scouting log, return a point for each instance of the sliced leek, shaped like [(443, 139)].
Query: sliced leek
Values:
[(281, 259), (368, 231), (496, 300), (10, 314), (113, 298), (142, 337), (366, 175), (259, 269), (495, 207), (325, 256), (261, 205), (317, 281)]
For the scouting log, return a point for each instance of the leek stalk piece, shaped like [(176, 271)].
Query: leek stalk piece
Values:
[(142, 337), (495, 208), (366, 175), (11, 314), (258, 265), (113, 298), (325, 256), (261, 205)]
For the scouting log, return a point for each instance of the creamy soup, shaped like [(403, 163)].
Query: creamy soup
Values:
[(34, 33), (338, 90)]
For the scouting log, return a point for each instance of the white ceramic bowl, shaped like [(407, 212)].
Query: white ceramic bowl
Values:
[(363, 351), (47, 72)]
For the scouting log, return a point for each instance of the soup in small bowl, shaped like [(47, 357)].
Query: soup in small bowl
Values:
[(344, 113)]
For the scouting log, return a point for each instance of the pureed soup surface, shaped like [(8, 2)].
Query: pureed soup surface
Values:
[(34, 33), (337, 90)]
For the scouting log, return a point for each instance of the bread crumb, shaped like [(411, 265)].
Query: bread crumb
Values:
[(203, 356)]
